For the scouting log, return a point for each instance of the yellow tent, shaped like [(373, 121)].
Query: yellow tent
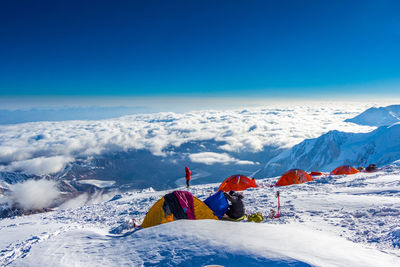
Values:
[(156, 216)]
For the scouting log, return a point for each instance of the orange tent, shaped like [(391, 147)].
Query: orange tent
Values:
[(345, 169), (237, 183), (294, 176)]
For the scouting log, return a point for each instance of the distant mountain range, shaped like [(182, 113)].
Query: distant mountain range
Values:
[(382, 116), (335, 148)]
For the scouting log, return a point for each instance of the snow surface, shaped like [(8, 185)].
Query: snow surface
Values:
[(331, 221), (97, 183)]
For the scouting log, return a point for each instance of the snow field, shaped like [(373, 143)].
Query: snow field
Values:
[(332, 221)]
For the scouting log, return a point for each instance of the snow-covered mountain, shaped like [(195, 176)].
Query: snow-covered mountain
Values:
[(382, 116), (332, 221), (335, 148), (14, 177)]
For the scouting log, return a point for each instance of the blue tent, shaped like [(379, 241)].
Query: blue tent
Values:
[(218, 204)]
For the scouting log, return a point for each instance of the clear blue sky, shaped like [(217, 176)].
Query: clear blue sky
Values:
[(208, 48)]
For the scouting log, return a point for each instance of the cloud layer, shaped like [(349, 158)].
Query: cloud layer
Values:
[(46, 147), (33, 194), (212, 157), (39, 165)]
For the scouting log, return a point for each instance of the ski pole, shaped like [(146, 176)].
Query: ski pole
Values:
[(279, 205)]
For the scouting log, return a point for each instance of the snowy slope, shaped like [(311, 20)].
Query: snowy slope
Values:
[(332, 221), (333, 149), (378, 116)]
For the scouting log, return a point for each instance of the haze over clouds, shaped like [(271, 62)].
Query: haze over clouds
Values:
[(46, 147), (66, 113)]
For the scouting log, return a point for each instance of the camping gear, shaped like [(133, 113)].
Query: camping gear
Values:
[(279, 205), (345, 169), (255, 217), (315, 173), (371, 168), (186, 201), (294, 176), (156, 215), (236, 208), (227, 218), (218, 204), (172, 206), (271, 214), (237, 183)]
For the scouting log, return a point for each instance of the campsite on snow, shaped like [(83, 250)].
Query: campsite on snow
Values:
[(112, 192), (199, 133)]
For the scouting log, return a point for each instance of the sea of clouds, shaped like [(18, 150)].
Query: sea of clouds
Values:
[(42, 148)]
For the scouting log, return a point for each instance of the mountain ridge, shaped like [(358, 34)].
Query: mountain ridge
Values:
[(335, 148), (381, 116)]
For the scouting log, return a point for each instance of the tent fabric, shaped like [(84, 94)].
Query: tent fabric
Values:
[(237, 183), (201, 211), (156, 215), (172, 205), (186, 201), (294, 176), (345, 169), (218, 204)]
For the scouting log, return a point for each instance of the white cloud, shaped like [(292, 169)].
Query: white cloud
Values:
[(45, 147), (40, 165), (34, 194), (210, 158)]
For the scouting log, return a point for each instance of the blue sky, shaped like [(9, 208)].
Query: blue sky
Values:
[(285, 49)]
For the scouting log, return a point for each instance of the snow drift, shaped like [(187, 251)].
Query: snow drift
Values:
[(331, 221)]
